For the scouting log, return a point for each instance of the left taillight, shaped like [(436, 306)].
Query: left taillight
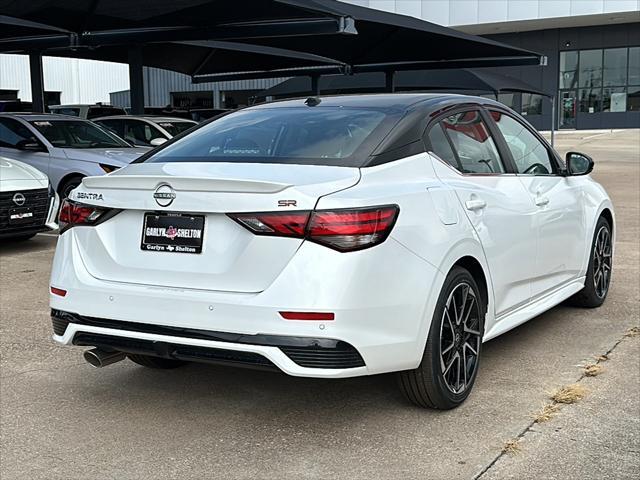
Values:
[(74, 213), (345, 230)]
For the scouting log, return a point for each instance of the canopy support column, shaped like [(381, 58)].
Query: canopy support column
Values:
[(37, 82), (315, 85), (553, 119), (390, 81), (136, 80)]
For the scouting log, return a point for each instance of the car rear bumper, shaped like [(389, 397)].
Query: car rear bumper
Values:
[(262, 351), (382, 313)]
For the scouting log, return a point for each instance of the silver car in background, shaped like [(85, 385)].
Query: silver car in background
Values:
[(64, 148), (145, 131)]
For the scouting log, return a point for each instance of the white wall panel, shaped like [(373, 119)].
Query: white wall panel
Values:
[(79, 81), (436, 11), (554, 8), (621, 6), (463, 12), (523, 9), (587, 7), (490, 11), (413, 8), (471, 12), (386, 5)]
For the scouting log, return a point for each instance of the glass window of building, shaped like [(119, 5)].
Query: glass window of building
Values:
[(508, 99), (568, 69), (614, 99), (615, 67), (634, 66), (590, 70), (590, 100), (531, 104), (633, 100)]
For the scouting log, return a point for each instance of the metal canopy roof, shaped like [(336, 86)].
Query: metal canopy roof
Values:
[(362, 38), (446, 80), (194, 57)]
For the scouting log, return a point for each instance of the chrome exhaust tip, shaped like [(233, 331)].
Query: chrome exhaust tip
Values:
[(99, 358)]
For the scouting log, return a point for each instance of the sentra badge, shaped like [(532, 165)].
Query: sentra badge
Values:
[(89, 196)]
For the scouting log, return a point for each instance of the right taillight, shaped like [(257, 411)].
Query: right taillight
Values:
[(344, 230), (74, 213)]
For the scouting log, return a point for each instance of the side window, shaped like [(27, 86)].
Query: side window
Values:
[(116, 126), (13, 132), (134, 132), (472, 142), (441, 146), (529, 154)]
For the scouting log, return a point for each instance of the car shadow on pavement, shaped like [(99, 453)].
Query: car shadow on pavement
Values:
[(280, 398), (35, 244)]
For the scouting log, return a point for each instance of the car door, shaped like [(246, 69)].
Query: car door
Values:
[(494, 200), (559, 216), (12, 132)]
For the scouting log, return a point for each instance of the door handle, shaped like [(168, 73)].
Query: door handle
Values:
[(475, 204), (542, 201)]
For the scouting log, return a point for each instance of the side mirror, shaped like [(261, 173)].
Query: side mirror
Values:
[(578, 163), (29, 146), (156, 142)]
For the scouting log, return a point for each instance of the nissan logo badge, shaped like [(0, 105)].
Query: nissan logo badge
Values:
[(19, 199), (164, 195)]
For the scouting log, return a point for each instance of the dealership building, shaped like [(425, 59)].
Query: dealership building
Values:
[(592, 71)]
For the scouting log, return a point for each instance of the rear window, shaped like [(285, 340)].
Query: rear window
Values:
[(303, 135), (175, 127), (95, 112), (73, 112)]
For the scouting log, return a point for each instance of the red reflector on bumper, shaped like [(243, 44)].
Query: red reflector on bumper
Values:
[(58, 291), (307, 315)]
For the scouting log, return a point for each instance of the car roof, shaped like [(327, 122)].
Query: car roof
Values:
[(401, 101), (151, 118), (79, 105), (42, 116)]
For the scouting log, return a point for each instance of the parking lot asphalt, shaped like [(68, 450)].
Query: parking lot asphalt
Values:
[(60, 418)]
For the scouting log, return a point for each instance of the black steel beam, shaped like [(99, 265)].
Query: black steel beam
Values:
[(136, 80), (37, 82), (379, 67), (390, 81), (235, 31)]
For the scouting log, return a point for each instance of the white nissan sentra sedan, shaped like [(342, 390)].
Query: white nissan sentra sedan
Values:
[(333, 237)]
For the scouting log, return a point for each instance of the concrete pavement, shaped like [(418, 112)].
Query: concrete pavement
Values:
[(61, 419)]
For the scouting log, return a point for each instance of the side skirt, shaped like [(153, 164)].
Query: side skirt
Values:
[(540, 305)]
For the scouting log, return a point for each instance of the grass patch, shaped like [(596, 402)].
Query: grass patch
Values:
[(546, 413), (569, 394), (632, 332), (511, 447), (593, 370)]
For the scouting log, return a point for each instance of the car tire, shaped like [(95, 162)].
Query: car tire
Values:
[(66, 187), (598, 278), (156, 362), (433, 384)]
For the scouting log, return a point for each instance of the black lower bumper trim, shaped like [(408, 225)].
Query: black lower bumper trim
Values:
[(304, 351), (174, 351)]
